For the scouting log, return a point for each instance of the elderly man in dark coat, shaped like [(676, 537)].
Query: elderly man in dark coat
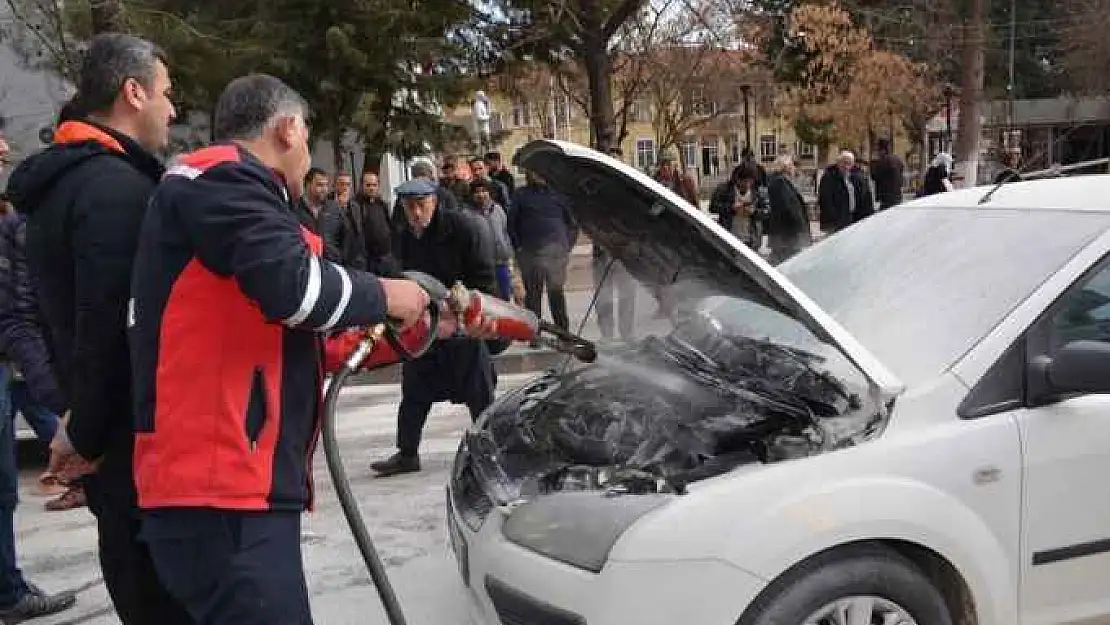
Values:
[(450, 246)]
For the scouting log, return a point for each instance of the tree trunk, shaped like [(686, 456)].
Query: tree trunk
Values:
[(971, 94), (601, 98), (598, 67), (107, 16), (371, 162), (337, 153)]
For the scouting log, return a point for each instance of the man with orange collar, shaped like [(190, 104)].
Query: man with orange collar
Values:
[(85, 198)]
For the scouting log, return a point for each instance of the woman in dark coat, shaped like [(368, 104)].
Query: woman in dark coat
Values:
[(938, 176), (788, 228)]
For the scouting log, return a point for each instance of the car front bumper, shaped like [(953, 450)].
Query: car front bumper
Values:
[(509, 585)]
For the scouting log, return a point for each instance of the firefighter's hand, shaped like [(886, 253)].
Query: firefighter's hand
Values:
[(405, 300), (65, 462)]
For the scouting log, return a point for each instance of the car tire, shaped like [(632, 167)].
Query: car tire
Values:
[(857, 571)]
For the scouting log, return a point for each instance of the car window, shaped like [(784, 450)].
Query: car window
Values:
[(1083, 314), (919, 287)]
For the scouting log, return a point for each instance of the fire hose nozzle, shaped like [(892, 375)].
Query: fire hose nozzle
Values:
[(513, 322), (568, 343)]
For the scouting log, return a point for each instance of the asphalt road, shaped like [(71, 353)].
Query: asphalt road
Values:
[(57, 550)]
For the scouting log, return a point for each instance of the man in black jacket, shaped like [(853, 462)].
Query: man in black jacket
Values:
[(844, 195), (449, 246), (85, 198), (309, 207), (499, 172), (371, 218), (888, 172)]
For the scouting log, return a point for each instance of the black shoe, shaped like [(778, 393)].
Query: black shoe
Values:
[(397, 464), (37, 603)]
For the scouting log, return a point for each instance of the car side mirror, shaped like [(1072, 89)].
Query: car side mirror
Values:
[(1078, 367)]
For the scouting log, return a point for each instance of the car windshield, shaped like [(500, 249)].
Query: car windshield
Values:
[(919, 287)]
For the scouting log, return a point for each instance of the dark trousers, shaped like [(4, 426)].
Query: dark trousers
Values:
[(137, 593), (231, 568), (413, 414), (617, 282), (12, 585), (457, 371), (546, 267)]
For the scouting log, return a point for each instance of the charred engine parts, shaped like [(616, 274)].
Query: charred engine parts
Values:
[(660, 415)]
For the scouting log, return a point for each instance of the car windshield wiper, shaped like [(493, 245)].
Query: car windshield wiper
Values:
[(987, 196)]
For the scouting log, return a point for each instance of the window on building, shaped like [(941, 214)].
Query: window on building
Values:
[(689, 152), (768, 148), (522, 114), (497, 121), (937, 144), (562, 111), (699, 102), (640, 111), (710, 157), (734, 148), (645, 154), (806, 151)]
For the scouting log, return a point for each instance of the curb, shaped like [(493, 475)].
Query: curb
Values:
[(510, 362)]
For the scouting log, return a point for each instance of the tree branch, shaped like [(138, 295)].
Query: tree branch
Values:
[(618, 17), (60, 62)]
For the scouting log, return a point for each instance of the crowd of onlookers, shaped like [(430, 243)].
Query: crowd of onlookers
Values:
[(528, 229)]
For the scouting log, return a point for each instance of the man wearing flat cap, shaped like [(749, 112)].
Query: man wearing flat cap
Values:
[(450, 246)]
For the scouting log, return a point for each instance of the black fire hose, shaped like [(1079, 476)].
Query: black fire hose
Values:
[(338, 473)]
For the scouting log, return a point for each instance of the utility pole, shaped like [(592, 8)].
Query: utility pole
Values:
[(746, 89), (1010, 84)]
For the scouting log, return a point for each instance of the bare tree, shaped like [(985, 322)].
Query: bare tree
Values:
[(584, 31), (1086, 48), (37, 32), (545, 88), (692, 85), (535, 88)]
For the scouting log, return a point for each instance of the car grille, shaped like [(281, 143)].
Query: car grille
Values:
[(470, 500), (516, 608)]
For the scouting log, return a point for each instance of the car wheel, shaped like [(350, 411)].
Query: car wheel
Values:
[(867, 585)]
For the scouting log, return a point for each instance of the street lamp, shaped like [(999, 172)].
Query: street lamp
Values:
[(746, 90), (948, 94)]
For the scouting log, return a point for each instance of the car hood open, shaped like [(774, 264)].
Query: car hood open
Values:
[(676, 250)]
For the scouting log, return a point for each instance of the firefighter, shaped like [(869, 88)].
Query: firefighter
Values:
[(230, 300)]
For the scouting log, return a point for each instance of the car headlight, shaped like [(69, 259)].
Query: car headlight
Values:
[(577, 528)]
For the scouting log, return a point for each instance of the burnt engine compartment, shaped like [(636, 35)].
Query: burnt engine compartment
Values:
[(662, 413)]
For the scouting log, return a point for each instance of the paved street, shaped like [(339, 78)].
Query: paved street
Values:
[(57, 550)]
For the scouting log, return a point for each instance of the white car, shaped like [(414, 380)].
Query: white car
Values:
[(908, 423)]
